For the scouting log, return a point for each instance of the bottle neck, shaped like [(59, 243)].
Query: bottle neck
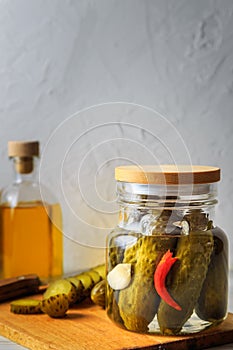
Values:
[(152, 208), (25, 169)]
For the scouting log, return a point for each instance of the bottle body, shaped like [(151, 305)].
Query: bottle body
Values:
[(178, 261), (31, 238)]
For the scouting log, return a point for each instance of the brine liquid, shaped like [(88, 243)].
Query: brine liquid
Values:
[(31, 240)]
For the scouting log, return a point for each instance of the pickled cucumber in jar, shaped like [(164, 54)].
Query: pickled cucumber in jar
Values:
[(185, 280), (138, 302), (212, 302)]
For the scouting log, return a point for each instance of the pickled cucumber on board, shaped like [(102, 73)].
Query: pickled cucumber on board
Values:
[(94, 276), (55, 305), (62, 286), (101, 270), (87, 282), (61, 294), (79, 288), (88, 279), (212, 302), (98, 293), (138, 302), (185, 280), (26, 306)]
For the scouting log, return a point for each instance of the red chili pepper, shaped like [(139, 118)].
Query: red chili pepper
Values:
[(160, 275)]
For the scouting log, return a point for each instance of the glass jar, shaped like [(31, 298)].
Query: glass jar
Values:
[(167, 262)]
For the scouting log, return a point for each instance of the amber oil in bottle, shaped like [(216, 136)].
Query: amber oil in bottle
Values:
[(30, 230)]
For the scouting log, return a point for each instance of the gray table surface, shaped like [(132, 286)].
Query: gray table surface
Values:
[(6, 344)]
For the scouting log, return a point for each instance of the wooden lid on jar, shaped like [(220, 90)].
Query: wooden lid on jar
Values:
[(23, 148), (167, 174)]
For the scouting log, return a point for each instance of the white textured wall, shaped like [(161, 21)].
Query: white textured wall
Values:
[(176, 56)]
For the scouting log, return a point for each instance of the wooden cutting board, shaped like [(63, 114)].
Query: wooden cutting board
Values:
[(87, 327)]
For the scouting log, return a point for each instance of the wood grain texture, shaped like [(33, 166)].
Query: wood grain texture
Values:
[(167, 174), (87, 327)]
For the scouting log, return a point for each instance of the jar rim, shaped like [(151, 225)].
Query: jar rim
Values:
[(170, 174)]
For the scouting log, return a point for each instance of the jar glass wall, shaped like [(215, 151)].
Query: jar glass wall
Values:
[(167, 261)]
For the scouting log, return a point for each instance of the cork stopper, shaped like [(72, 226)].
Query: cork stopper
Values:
[(168, 174), (23, 149), (23, 152)]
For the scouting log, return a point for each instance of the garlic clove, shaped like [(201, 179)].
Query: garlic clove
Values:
[(119, 277)]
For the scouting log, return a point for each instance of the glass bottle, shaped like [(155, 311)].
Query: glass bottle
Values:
[(30, 229), (167, 261)]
